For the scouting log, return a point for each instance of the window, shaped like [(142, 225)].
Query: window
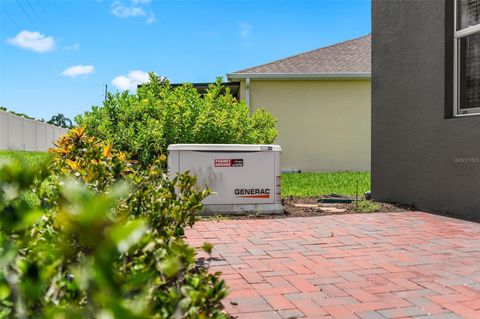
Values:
[(467, 57)]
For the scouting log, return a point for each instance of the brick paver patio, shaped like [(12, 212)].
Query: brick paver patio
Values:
[(387, 265)]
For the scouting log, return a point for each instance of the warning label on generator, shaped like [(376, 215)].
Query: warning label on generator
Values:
[(228, 163)]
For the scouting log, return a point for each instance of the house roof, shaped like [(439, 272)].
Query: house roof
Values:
[(349, 58)]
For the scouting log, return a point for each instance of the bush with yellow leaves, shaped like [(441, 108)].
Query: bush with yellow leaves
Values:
[(105, 242)]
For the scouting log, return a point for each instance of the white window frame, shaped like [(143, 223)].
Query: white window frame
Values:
[(458, 36)]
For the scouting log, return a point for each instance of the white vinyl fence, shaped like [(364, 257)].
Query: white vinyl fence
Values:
[(19, 133)]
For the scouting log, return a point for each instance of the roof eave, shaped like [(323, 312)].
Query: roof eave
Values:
[(302, 76)]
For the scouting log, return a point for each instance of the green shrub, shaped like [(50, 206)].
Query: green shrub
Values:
[(94, 163), (365, 206), (145, 123), (106, 241)]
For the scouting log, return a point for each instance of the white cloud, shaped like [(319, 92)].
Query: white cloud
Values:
[(77, 70), (245, 30), (135, 9), (130, 81), (122, 11), (245, 33), (141, 1), (73, 47), (34, 41), (151, 18)]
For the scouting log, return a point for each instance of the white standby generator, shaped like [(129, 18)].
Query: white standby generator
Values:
[(245, 178)]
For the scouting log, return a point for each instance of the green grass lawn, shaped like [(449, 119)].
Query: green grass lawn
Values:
[(315, 184), (28, 157), (296, 184)]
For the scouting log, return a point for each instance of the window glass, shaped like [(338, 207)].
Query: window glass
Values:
[(468, 13), (470, 71)]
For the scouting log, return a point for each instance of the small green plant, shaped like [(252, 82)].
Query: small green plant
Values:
[(144, 123), (365, 206), (216, 217)]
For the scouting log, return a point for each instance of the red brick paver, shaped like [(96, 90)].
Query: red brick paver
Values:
[(392, 265)]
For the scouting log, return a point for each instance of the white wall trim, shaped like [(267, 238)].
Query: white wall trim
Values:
[(247, 92)]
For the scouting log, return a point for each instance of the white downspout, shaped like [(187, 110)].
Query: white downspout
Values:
[(247, 92)]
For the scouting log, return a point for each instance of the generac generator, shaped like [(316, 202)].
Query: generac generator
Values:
[(245, 178)]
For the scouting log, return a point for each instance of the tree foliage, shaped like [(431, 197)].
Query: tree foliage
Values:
[(157, 115), (106, 240), (61, 120)]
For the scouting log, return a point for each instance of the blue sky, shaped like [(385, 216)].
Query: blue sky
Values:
[(56, 56)]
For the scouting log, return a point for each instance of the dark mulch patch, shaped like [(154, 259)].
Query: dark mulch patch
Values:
[(307, 207), (298, 211)]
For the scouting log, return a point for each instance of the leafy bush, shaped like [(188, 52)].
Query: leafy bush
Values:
[(106, 242), (365, 206), (94, 163), (145, 123)]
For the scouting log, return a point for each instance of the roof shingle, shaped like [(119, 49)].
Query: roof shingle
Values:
[(353, 56)]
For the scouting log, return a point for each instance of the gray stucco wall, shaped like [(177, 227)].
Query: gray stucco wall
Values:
[(421, 155)]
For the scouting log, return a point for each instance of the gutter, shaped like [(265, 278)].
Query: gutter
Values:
[(301, 76)]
